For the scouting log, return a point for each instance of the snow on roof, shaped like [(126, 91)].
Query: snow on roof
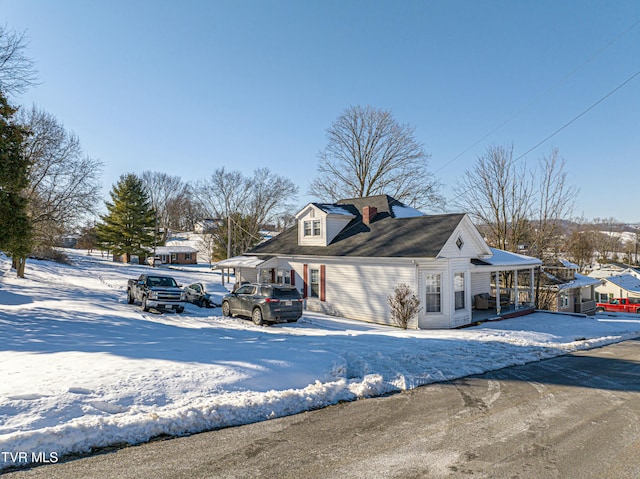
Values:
[(242, 262), (625, 281), (334, 209), (568, 264), (404, 211), (581, 281), (174, 249), (506, 258)]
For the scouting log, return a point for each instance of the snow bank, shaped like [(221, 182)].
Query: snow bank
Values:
[(82, 369)]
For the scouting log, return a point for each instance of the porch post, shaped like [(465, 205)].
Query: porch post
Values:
[(515, 289), (498, 308), (531, 287)]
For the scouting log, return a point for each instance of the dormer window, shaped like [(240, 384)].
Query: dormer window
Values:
[(318, 224), (312, 228)]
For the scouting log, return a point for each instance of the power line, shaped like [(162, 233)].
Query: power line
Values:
[(584, 112), (544, 93), (575, 118)]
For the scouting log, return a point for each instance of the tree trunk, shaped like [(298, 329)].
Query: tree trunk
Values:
[(20, 264)]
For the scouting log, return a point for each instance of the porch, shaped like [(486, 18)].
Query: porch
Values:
[(509, 311), (503, 285)]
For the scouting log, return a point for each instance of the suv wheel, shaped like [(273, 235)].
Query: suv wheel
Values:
[(257, 317), (226, 311)]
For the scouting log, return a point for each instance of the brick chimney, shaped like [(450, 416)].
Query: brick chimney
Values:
[(368, 213)]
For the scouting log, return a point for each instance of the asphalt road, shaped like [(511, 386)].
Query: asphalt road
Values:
[(575, 416)]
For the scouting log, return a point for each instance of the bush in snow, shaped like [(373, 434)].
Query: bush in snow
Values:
[(404, 305)]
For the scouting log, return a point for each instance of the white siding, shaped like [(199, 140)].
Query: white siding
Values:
[(615, 290), (480, 283), (462, 316), (473, 245), (311, 214), (330, 226), (441, 319), (355, 289)]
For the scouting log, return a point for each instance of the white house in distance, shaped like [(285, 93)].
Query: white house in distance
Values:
[(624, 285), (346, 258)]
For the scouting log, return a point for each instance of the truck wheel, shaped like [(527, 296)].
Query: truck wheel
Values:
[(257, 317), (145, 308), (129, 297), (226, 310), (599, 310), (180, 309)]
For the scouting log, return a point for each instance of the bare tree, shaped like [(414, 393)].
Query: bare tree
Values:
[(369, 153), (17, 71), (162, 190), (579, 246), (246, 204), (553, 204), (498, 194), (606, 238), (64, 183), (184, 211)]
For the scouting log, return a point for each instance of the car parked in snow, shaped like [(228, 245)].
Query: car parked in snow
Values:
[(264, 303), (196, 293)]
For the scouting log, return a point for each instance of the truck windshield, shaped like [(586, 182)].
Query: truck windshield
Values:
[(159, 281)]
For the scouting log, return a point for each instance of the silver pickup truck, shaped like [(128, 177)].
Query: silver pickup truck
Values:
[(157, 292)]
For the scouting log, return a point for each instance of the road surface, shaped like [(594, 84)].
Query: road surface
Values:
[(575, 416)]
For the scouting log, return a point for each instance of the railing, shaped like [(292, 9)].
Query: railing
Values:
[(523, 293), (586, 306)]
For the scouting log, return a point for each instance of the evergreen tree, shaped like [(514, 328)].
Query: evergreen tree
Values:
[(128, 228), (15, 224)]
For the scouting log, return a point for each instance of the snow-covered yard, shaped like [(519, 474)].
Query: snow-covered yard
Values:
[(81, 369)]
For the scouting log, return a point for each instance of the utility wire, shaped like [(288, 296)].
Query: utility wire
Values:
[(575, 118), (544, 93), (584, 112)]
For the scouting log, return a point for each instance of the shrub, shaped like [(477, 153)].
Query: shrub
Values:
[(404, 305)]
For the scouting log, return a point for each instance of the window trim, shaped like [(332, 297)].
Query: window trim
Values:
[(312, 228), (434, 294), (456, 292), (312, 270)]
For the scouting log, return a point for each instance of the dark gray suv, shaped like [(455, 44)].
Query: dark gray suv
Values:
[(264, 303)]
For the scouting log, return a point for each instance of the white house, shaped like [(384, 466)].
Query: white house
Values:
[(616, 286), (347, 258)]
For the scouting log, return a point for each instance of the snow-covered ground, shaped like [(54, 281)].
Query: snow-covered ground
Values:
[(81, 369)]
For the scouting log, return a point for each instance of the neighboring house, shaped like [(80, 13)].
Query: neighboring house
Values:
[(207, 225), (347, 258), (564, 289), (176, 255), (624, 285)]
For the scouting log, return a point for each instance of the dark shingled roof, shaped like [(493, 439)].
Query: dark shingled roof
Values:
[(385, 236)]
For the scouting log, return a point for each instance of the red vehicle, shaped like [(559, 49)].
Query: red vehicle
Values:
[(620, 305)]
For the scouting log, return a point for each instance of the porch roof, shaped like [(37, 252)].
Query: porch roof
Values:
[(246, 262), (580, 281), (505, 260)]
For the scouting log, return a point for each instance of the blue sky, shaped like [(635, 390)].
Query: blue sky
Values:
[(185, 87)]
